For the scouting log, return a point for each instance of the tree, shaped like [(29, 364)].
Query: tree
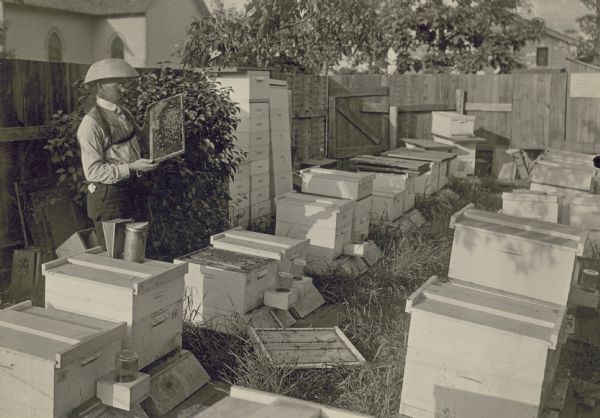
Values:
[(588, 49)]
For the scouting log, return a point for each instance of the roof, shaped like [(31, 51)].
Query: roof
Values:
[(561, 36), (99, 7)]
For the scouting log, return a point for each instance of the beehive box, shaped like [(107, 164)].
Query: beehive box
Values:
[(326, 221), (585, 211), (225, 283), (574, 177), (535, 205), (388, 204), (336, 183), (442, 163), (570, 157), (400, 182), (475, 351), (466, 151), (50, 359), (361, 216), (451, 123), (148, 296), (427, 144), (282, 249), (518, 255)]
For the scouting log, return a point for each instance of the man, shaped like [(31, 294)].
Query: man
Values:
[(110, 142)]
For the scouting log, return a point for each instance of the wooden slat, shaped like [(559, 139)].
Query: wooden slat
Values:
[(355, 120), (27, 133), (424, 107), (374, 107), (393, 115), (489, 107), (358, 92)]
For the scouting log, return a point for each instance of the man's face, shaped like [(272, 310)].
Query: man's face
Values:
[(112, 89)]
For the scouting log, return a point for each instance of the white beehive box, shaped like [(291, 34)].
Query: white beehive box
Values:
[(466, 151), (569, 157), (248, 85), (337, 183), (282, 249), (362, 216), (575, 177), (225, 283), (326, 221), (536, 205), (442, 163), (388, 204), (148, 296), (50, 359), (585, 211), (518, 255), (475, 351), (399, 182), (451, 123)]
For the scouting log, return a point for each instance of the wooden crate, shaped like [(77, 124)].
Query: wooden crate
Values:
[(466, 150), (312, 210), (475, 351), (451, 123), (50, 359), (284, 250), (325, 243), (518, 255), (565, 175), (442, 162), (306, 348), (388, 204), (336, 183), (584, 211), (225, 281), (361, 216), (401, 182), (535, 205), (148, 296)]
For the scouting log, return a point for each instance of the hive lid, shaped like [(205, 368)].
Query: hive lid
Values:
[(331, 204), (420, 155), (96, 266), (527, 196), (453, 115), (564, 165), (257, 237), (429, 144), (586, 200), (56, 336), (388, 191), (227, 260), (330, 174), (488, 307)]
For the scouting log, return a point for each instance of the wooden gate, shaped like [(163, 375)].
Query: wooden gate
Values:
[(358, 121)]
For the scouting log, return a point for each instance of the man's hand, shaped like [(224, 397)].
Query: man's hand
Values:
[(142, 165)]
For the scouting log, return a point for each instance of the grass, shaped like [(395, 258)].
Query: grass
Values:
[(376, 323)]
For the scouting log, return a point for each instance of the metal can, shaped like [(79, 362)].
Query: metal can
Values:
[(135, 242), (126, 366)]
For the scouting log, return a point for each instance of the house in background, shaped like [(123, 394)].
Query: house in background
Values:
[(143, 32), (553, 51)]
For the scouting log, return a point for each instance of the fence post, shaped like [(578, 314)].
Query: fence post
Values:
[(393, 127), (460, 101)]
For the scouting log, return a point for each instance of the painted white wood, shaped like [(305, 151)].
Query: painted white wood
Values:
[(563, 175), (361, 216), (148, 296), (280, 119), (263, 245), (400, 182), (242, 139), (122, 395), (259, 167), (280, 299), (50, 360), (498, 366), (258, 153), (585, 211), (281, 183), (252, 85), (337, 183), (259, 139), (464, 164), (324, 242), (233, 288), (281, 140), (259, 194), (527, 204), (260, 181), (451, 123), (243, 171), (281, 160), (312, 210), (532, 258), (388, 204)]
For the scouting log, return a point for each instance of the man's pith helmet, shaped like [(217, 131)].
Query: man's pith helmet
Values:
[(110, 68)]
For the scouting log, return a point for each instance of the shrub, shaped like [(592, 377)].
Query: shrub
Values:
[(187, 195)]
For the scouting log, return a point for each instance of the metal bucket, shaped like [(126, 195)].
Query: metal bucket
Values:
[(135, 242)]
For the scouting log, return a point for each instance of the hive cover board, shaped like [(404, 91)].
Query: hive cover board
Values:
[(167, 138), (306, 348)]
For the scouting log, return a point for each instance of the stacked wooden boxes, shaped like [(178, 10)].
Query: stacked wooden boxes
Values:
[(281, 140), (475, 351), (536, 205), (147, 296), (442, 164), (282, 249), (393, 195), (221, 285), (326, 221), (50, 359), (343, 185), (513, 254), (250, 90), (456, 129)]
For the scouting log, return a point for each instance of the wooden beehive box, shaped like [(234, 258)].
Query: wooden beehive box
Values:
[(388, 204), (576, 178), (361, 217), (584, 211), (148, 296), (400, 182), (427, 144), (50, 359), (475, 351), (326, 221), (442, 163), (536, 205), (336, 183), (451, 123), (466, 151), (570, 157), (222, 283), (518, 255), (282, 249)]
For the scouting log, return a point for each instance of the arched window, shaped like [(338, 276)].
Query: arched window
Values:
[(54, 48), (117, 48)]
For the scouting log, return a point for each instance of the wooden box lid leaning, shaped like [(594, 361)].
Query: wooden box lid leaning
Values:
[(473, 348), (51, 359), (427, 144), (514, 254), (565, 175), (148, 296), (534, 204), (337, 183)]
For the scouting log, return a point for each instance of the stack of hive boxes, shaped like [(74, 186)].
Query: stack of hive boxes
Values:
[(392, 196), (250, 189), (281, 142), (456, 129), (500, 319)]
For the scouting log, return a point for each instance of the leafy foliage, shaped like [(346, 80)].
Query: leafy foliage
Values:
[(314, 36), (187, 195), (588, 49)]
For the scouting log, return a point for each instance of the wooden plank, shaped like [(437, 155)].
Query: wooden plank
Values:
[(358, 92), (460, 101), (331, 141), (355, 120), (374, 107), (489, 107), (424, 107), (27, 133), (393, 115), (320, 113)]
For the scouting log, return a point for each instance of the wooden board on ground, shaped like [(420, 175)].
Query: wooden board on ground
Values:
[(324, 316), (306, 348), (307, 303)]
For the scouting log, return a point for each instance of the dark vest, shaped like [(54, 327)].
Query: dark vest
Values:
[(99, 115)]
